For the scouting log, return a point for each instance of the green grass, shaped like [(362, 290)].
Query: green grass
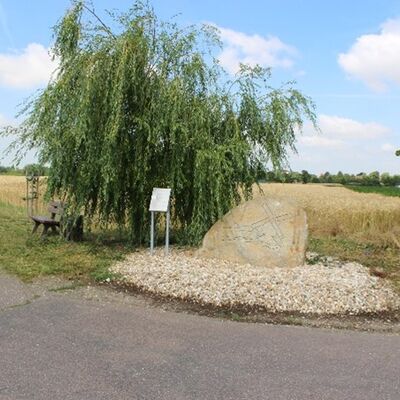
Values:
[(13, 173), (29, 256), (384, 190), (64, 288), (375, 257)]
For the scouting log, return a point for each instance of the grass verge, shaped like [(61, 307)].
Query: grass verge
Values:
[(382, 261), (383, 190), (29, 256)]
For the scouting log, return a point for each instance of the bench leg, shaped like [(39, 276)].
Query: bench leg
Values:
[(35, 228), (45, 229), (54, 229)]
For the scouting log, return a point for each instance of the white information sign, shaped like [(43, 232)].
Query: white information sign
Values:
[(160, 200), (159, 203)]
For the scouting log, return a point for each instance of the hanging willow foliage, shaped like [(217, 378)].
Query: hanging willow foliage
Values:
[(147, 105)]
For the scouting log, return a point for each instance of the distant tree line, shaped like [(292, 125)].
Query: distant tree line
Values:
[(29, 169), (374, 178), (362, 179)]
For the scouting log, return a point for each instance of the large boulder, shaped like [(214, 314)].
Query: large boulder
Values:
[(270, 232)]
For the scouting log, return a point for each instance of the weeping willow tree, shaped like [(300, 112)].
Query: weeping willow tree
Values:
[(143, 103)]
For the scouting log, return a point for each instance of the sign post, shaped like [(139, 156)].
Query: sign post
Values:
[(159, 203)]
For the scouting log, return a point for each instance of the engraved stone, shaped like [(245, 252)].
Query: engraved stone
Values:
[(269, 232)]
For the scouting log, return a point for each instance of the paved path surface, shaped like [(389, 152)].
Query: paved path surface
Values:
[(90, 343)]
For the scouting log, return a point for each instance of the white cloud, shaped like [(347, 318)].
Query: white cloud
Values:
[(320, 141), (375, 58), (345, 144), (349, 128), (341, 129), (27, 69), (388, 147), (253, 49)]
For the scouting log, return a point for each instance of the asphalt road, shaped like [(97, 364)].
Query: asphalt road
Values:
[(90, 344)]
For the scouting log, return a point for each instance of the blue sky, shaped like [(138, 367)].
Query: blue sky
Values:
[(345, 55)]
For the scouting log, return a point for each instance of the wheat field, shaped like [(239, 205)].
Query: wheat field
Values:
[(331, 211), (337, 211), (13, 191)]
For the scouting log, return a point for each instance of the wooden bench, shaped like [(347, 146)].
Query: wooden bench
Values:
[(55, 208)]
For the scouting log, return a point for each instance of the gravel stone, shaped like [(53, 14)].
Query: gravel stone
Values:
[(325, 286)]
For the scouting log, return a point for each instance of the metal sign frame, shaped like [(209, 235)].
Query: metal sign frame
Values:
[(160, 203)]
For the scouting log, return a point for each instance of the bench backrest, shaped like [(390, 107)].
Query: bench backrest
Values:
[(56, 208)]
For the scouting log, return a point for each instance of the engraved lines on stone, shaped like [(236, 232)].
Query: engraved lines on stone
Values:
[(256, 231), (278, 236)]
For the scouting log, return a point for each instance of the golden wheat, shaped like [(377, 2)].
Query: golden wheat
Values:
[(337, 211), (13, 191), (331, 211)]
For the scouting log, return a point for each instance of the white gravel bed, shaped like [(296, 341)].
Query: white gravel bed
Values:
[(323, 288)]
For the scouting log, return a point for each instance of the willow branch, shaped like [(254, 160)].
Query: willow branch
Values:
[(106, 28)]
